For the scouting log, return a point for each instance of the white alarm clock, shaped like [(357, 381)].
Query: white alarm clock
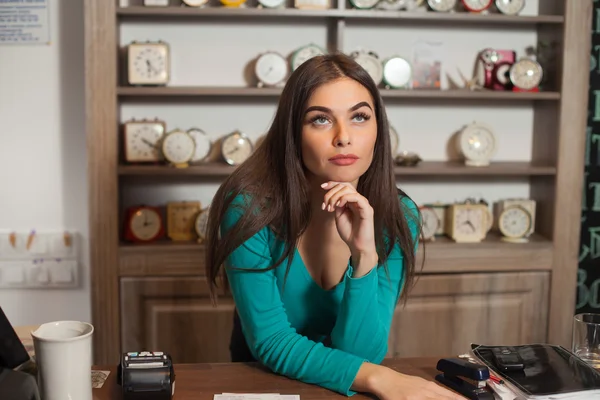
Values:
[(195, 3), (526, 74), (271, 69), (201, 224), (397, 73), (363, 4), (148, 63), (141, 140), (271, 3), (510, 7), (431, 222), (305, 53), (514, 223), (236, 148), (477, 143), (477, 6), (370, 63), (203, 145), (178, 147), (442, 5), (394, 140)]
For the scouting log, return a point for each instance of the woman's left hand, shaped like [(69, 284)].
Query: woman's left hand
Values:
[(353, 218)]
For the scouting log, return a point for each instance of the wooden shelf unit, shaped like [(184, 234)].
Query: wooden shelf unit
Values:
[(555, 175)]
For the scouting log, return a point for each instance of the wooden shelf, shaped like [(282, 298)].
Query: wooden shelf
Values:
[(353, 14), (168, 258), (209, 91), (426, 168)]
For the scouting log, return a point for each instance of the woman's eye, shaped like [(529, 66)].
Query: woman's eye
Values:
[(360, 118), (320, 121)]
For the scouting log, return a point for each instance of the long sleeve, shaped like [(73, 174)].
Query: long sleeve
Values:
[(367, 309), (270, 336)]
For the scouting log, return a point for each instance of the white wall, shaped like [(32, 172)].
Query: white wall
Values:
[(43, 155)]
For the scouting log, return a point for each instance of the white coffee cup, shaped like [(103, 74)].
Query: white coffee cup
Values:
[(63, 353)]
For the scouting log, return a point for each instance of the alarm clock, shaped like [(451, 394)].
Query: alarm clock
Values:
[(143, 224), (305, 53), (466, 223), (397, 73), (493, 68), (236, 148), (271, 69), (440, 211), (370, 62), (271, 3), (514, 221), (141, 140), (394, 139), (312, 4), (233, 3), (146, 375), (477, 6), (526, 75), (181, 219), (510, 7), (195, 3), (363, 4), (442, 5), (148, 63), (430, 224), (392, 5), (477, 144), (201, 224), (202, 145), (178, 148)]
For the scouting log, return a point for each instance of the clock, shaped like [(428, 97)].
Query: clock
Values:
[(394, 140), (143, 224), (492, 68), (271, 3), (305, 53), (466, 223), (312, 4), (397, 73), (236, 148), (477, 144), (440, 211), (363, 4), (195, 3), (392, 5), (178, 148), (201, 224), (526, 75), (148, 63), (477, 5), (370, 62), (271, 69), (181, 219), (510, 7), (514, 223), (141, 140), (442, 5), (431, 222), (202, 145), (526, 204), (233, 3)]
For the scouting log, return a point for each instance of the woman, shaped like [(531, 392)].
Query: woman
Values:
[(317, 241)]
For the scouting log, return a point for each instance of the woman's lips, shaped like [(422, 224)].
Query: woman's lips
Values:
[(343, 159)]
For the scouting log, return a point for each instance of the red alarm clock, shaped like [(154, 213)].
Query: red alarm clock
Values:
[(493, 68), (477, 6), (143, 224)]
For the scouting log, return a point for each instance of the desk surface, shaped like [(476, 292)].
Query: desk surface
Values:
[(202, 381)]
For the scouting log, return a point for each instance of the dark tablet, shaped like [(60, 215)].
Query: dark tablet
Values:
[(12, 351)]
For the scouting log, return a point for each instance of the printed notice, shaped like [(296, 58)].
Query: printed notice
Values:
[(24, 22)]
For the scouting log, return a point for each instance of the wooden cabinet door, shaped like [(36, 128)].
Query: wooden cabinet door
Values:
[(175, 315), (446, 313)]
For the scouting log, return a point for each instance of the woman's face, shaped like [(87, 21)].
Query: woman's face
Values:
[(339, 131)]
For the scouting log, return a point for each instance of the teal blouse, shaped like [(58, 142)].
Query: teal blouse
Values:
[(302, 331)]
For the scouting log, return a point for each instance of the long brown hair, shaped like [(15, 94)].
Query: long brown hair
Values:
[(274, 178)]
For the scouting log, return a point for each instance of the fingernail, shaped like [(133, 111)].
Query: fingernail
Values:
[(323, 206), (324, 184), (338, 203), (329, 207)]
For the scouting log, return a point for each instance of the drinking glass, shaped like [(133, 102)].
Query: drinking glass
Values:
[(586, 338)]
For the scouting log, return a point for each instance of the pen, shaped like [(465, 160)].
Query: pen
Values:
[(496, 380)]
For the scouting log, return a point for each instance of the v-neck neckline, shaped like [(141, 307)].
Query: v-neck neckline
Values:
[(309, 277)]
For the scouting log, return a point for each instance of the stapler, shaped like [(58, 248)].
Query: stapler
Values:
[(455, 369)]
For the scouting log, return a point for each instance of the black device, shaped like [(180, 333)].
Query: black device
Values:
[(146, 375), (455, 369), (12, 351), (507, 359)]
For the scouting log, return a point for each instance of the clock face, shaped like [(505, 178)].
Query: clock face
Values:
[(510, 7), (178, 147), (477, 143), (440, 211), (477, 5), (236, 148), (514, 222), (469, 222), (442, 5), (372, 65), (271, 68), (148, 63), (271, 3), (202, 143), (201, 223), (397, 72), (394, 140), (364, 4), (430, 222), (526, 74), (304, 54), (141, 141), (145, 224), (182, 219)]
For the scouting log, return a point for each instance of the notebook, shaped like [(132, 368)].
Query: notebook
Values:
[(551, 372)]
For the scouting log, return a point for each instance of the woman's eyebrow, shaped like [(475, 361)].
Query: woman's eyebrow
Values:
[(327, 110)]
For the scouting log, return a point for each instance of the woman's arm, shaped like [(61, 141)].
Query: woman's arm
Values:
[(367, 309)]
